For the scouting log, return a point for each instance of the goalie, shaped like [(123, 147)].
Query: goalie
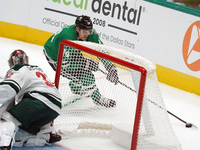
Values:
[(75, 67), (29, 104)]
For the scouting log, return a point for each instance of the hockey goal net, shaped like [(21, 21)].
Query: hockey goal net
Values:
[(138, 121)]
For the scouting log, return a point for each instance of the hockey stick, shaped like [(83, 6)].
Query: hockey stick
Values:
[(188, 125), (74, 100)]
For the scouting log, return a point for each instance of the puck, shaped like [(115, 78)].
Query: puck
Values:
[(188, 125)]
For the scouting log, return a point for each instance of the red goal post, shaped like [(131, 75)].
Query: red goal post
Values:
[(112, 59), (147, 93)]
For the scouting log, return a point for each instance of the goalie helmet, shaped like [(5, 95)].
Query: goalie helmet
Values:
[(84, 22), (17, 57)]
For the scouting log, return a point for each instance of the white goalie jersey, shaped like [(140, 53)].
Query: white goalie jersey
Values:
[(23, 79)]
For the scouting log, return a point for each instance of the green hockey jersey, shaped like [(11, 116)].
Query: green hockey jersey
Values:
[(70, 61), (68, 33)]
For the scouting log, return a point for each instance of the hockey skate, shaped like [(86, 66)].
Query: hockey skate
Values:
[(30, 140), (105, 102)]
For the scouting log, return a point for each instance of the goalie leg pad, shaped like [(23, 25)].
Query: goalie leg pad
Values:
[(43, 137), (31, 140), (35, 141), (8, 128)]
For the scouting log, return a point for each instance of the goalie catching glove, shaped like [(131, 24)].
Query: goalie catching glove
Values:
[(112, 75), (90, 65)]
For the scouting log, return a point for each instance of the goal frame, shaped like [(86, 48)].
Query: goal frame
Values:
[(138, 68)]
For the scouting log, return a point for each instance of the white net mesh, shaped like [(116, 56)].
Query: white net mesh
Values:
[(82, 116)]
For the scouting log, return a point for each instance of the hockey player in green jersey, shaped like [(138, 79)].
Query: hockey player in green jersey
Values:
[(29, 104), (77, 68)]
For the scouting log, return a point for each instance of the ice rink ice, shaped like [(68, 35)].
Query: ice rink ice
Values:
[(183, 104)]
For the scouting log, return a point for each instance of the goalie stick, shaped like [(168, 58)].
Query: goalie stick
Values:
[(187, 124)]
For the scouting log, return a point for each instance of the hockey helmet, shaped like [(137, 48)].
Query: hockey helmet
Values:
[(84, 22), (17, 57)]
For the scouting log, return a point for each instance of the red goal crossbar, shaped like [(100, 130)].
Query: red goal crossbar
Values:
[(140, 69)]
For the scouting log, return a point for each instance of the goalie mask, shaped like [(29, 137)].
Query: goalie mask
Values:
[(17, 57)]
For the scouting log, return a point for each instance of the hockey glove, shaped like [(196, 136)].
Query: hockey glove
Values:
[(90, 65), (112, 74)]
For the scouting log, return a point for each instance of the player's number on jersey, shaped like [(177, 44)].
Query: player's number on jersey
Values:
[(39, 74)]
